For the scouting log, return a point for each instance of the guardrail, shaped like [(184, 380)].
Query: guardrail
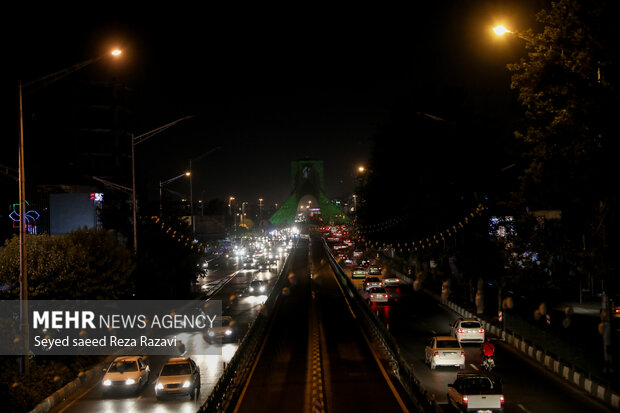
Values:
[(538, 353), (384, 341), (236, 373)]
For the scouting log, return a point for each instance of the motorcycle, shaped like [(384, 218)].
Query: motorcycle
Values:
[(488, 363)]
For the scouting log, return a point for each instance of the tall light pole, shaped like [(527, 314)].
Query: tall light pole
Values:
[(161, 189), (260, 213), (23, 268), (135, 140), (191, 186)]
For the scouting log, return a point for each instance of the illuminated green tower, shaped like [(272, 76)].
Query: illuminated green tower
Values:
[(307, 179)]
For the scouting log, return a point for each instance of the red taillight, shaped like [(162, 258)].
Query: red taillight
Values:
[(465, 399), (462, 354), (372, 296), (501, 399), (460, 330), (385, 295), (436, 354), (482, 331)]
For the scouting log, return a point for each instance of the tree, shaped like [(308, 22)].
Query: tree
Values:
[(85, 264), (567, 84)]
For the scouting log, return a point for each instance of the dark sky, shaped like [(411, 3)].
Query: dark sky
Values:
[(266, 85)]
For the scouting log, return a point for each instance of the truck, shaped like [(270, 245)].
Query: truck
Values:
[(476, 392)]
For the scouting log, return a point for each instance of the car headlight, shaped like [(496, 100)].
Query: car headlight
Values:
[(130, 381), (262, 288), (251, 289), (107, 382), (228, 332), (159, 386), (186, 384)]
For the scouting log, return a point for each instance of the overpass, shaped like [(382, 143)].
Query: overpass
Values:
[(315, 354)]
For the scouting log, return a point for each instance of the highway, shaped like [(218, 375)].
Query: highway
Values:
[(231, 282), (414, 317), (314, 331), (316, 354)]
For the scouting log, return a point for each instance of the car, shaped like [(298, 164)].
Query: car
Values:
[(126, 374), (248, 263), (257, 287), (358, 272), (357, 253), (391, 281), (378, 295), (467, 330), (264, 265), (444, 351), (180, 376), (374, 270), (372, 282), (223, 329), (478, 391)]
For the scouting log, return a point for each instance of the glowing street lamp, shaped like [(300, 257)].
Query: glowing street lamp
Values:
[(501, 30), (26, 89), (161, 189)]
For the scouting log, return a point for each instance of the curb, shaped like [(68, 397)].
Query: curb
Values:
[(68, 389), (600, 392)]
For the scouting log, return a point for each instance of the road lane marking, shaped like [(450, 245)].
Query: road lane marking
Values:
[(522, 407), (474, 366)]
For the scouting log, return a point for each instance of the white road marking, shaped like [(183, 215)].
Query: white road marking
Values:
[(523, 408), (473, 366)]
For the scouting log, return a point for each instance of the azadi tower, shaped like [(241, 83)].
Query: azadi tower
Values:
[(307, 179)]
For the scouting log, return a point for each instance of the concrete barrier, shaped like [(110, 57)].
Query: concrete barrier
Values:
[(578, 379)]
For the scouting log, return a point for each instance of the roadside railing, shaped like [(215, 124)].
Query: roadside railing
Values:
[(383, 340), (230, 384)]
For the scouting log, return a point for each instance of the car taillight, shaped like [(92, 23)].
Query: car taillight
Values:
[(465, 399), (462, 354), (436, 354), (385, 295), (501, 399), (482, 331), (460, 330), (372, 296)]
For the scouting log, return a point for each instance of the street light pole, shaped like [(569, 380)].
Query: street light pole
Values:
[(135, 140), (23, 267), (161, 189)]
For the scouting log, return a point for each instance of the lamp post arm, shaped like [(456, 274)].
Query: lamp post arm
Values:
[(113, 185), (141, 138), (53, 77)]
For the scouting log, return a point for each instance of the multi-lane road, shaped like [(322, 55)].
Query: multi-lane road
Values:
[(317, 353), (415, 317), (230, 282)]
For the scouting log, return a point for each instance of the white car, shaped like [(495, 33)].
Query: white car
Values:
[(180, 376), (223, 329), (391, 281), (467, 330), (378, 295), (372, 282), (126, 374), (444, 351)]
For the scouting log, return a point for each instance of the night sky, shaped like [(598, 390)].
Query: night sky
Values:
[(266, 86)]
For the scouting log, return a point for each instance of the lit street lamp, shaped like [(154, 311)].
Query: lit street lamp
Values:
[(23, 271), (191, 186), (161, 189), (135, 140)]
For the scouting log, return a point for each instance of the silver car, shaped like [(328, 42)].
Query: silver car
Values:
[(180, 376)]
